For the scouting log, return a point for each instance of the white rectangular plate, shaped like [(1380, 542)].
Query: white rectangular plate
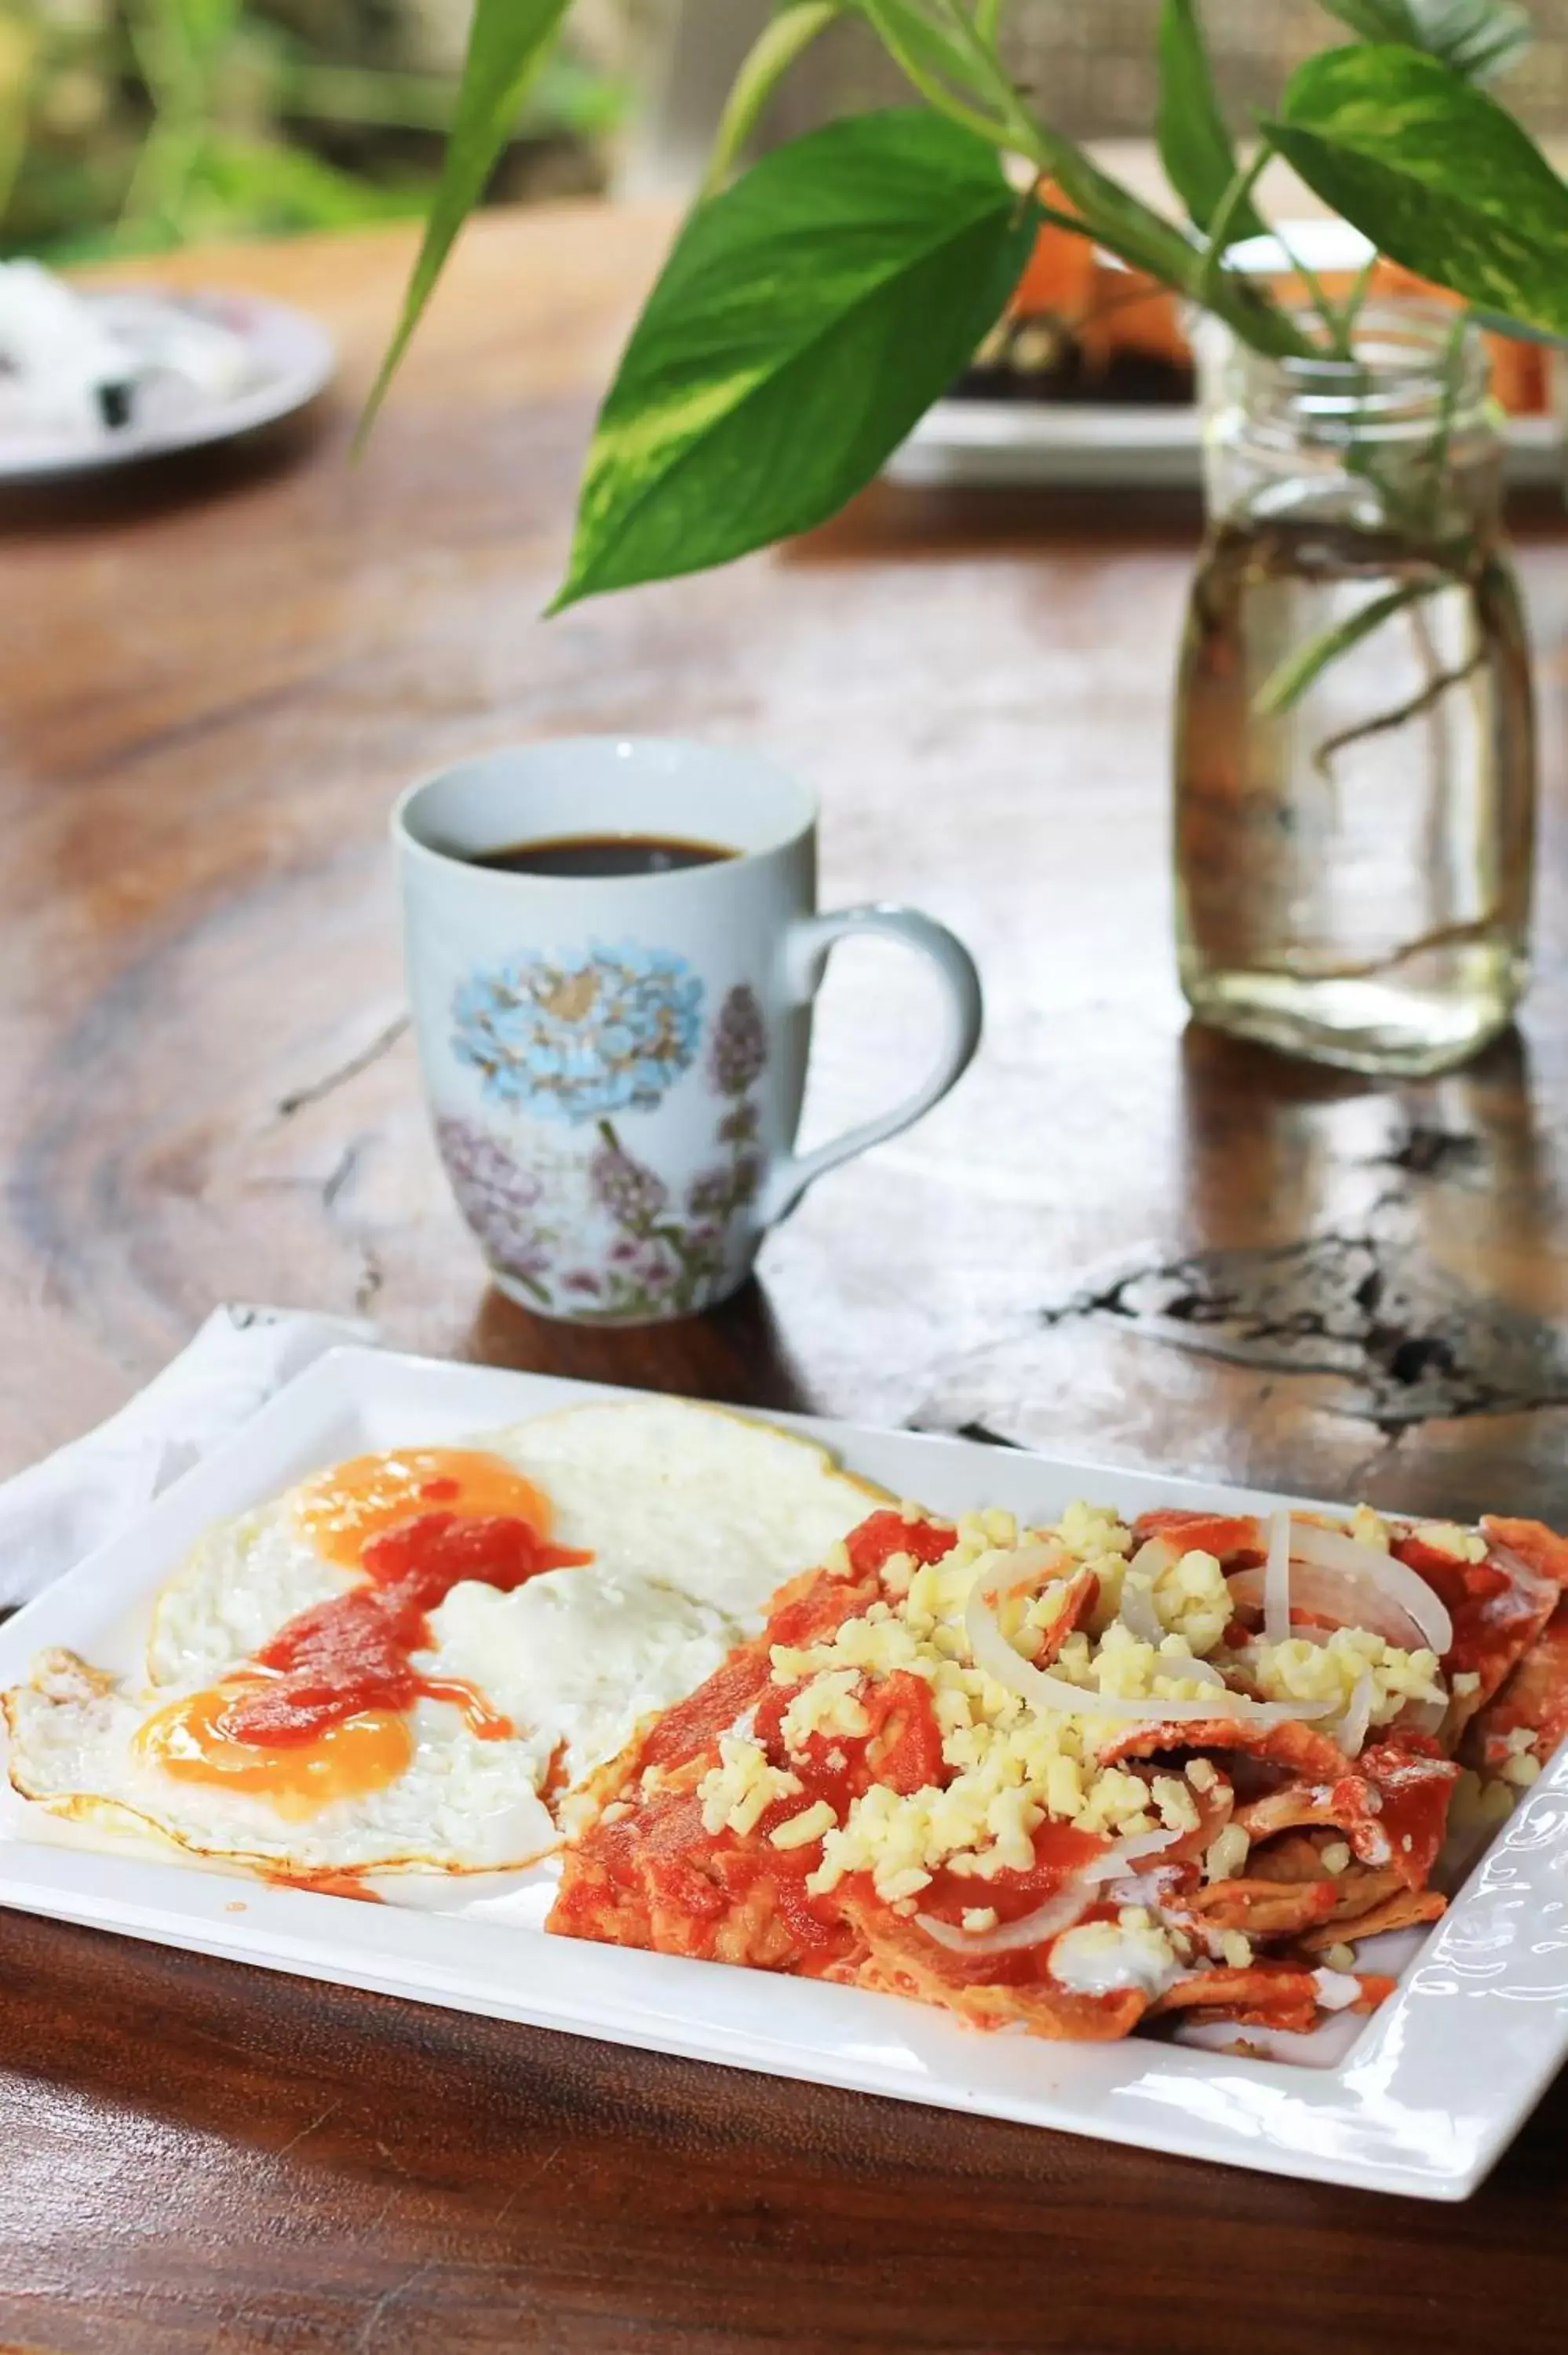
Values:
[(1014, 444), (1421, 2100)]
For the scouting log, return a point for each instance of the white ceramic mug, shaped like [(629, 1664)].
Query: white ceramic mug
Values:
[(616, 1065)]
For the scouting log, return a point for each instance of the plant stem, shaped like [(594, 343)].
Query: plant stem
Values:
[(1453, 367), (935, 93), (1286, 685), (1337, 324), (1225, 217), (1110, 213), (784, 38), (1463, 934), (1356, 299)]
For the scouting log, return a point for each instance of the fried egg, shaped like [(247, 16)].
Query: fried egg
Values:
[(690, 1517), (90, 1751)]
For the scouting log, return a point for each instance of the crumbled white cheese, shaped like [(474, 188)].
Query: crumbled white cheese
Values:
[(1178, 1808), (1104, 1958), (1370, 1529), (1297, 1671), (1447, 1537), (829, 1705), (738, 1792), (800, 1831), (1227, 1854), (1337, 1990)]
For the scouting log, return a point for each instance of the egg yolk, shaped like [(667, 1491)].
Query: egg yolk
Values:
[(352, 1503), (190, 1741)]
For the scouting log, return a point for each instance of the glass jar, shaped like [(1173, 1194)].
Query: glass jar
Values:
[(1355, 742)]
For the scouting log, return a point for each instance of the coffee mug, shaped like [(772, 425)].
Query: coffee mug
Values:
[(615, 1063)]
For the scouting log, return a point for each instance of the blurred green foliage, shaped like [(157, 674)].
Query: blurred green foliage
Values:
[(137, 125)]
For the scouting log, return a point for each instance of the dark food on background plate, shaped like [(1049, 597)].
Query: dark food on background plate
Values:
[(1083, 329), (1080, 329)]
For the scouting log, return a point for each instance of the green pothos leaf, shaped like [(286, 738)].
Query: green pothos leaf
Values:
[(508, 43), (1435, 173), (805, 320), (1195, 147)]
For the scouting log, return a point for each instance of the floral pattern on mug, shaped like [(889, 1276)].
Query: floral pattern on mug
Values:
[(501, 1201), (663, 1259), (738, 1055), (581, 1034)]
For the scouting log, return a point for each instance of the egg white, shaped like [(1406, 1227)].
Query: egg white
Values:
[(243, 1582), (578, 1660), (707, 1502)]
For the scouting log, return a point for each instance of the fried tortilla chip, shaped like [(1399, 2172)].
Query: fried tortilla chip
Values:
[(1499, 1606), (1264, 1909), (1299, 1747), (900, 1959), (1392, 1808), (1237, 1540), (1294, 1856), (1533, 1701), (1406, 1909)]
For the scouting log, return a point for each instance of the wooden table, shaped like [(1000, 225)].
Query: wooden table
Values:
[(1117, 1238)]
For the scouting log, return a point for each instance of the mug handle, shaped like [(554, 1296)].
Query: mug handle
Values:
[(806, 946)]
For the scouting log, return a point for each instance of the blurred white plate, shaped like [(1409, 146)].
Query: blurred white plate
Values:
[(290, 358), (1001, 444)]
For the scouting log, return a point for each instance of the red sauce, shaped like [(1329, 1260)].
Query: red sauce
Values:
[(1496, 1615), (1235, 1539), (355, 1651), (882, 1535), (1060, 1851), (1414, 1791), (327, 1884), (904, 1750), (697, 1723)]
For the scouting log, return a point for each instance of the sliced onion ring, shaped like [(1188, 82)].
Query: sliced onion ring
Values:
[(1332, 1549), (1136, 1609), (1277, 1580), (989, 1650), (1062, 1908), (1343, 1598), (1424, 1716), (1350, 1730)]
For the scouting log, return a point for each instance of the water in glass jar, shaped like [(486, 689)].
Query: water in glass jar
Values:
[(1353, 873)]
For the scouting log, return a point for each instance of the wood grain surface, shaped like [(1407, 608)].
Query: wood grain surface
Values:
[(1120, 1237)]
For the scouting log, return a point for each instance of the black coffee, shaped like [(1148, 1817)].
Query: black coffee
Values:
[(592, 857)]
